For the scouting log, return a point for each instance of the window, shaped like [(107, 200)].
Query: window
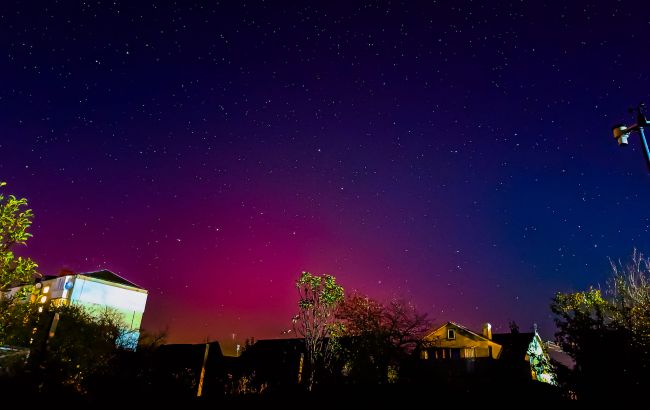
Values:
[(451, 334), (59, 302)]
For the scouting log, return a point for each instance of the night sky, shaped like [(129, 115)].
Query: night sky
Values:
[(456, 154)]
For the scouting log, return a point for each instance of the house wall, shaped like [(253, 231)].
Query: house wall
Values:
[(96, 295), (471, 345)]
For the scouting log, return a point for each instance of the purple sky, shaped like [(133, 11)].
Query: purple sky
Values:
[(456, 154)]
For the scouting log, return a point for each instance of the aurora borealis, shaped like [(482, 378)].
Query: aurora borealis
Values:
[(456, 154)]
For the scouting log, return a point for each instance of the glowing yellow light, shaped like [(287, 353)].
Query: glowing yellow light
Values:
[(43, 299), (40, 309), (46, 289)]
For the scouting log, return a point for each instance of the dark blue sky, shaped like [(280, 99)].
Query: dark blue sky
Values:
[(457, 154)]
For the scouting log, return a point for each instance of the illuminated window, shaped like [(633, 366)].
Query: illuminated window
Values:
[(451, 334), (59, 302), (46, 289), (424, 355)]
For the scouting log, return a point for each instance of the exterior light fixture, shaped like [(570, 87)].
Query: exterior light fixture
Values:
[(622, 132)]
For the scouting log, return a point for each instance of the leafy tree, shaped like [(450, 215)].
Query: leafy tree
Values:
[(81, 347), (608, 333), (319, 297), (379, 336), (15, 220)]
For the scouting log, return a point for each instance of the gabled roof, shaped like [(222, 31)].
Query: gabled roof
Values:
[(463, 328), (109, 276)]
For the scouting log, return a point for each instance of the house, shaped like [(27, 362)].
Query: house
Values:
[(453, 341), (527, 353), (188, 370), (274, 363), (458, 351), (96, 292)]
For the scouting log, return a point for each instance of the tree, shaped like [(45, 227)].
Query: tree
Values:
[(319, 297), (514, 327), (378, 336), (608, 333), (68, 356), (630, 295), (15, 220)]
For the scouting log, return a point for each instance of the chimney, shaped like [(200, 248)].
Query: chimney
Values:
[(487, 331)]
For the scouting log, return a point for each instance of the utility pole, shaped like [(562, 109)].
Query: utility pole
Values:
[(205, 360)]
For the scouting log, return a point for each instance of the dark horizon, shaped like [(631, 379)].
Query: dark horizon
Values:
[(458, 155)]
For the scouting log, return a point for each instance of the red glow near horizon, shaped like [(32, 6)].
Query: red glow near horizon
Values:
[(418, 152)]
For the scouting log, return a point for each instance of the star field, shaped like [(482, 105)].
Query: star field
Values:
[(457, 154)]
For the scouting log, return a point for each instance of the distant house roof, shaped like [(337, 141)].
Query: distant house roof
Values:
[(275, 346), (109, 276), (174, 357), (515, 345), (275, 361), (183, 352), (460, 327)]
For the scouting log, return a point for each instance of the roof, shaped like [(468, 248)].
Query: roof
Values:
[(109, 276), (186, 349), (277, 345), (515, 345), (461, 327), (188, 356)]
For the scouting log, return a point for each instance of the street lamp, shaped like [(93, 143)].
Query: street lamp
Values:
[(622, 132)]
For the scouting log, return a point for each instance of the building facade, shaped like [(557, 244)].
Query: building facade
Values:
[(519, 355), (96, 292)]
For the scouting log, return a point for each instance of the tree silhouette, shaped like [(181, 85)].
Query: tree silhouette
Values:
[(608, 333), (319, 297)]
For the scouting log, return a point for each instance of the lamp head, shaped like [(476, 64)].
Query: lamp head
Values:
[(621, 134)]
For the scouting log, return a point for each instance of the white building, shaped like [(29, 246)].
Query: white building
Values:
[(96, 291)]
